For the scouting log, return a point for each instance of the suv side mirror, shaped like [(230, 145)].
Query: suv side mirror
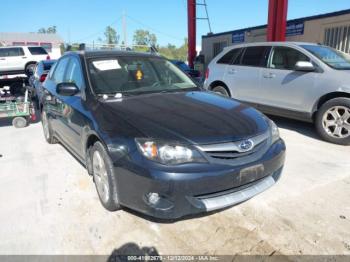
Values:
[(304, 66), (67, 89)]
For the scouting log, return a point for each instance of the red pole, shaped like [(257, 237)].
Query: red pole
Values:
[(271, 20), (277, 20), (191, 6), (281, 20)]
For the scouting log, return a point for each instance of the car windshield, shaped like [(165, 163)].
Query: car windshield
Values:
[(136, 75), (330, 56)]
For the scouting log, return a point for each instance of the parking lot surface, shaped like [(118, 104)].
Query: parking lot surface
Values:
[(49, 205)]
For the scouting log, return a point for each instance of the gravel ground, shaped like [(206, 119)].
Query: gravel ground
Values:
[(48, 205)]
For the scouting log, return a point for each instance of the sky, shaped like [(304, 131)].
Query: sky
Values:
[(85, 20)]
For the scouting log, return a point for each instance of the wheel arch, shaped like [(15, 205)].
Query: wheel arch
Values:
[(91, 139), (30, 62), (219, 83), (325, 98)]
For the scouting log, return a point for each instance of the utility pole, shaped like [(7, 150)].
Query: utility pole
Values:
[(191, 6), (124, 30)]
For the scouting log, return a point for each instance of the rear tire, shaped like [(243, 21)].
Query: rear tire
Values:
[(19, 122), (104, 177), (333, 121), (222, 90), (29, 67)]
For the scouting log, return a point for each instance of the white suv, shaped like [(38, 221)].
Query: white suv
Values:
[(304, 81), (20, 59)]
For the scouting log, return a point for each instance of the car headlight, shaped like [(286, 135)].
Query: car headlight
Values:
[(168, 153), (275, 134)]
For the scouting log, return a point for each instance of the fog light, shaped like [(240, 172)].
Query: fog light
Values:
[(153, 198)]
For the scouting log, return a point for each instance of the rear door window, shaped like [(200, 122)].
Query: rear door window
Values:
[(37, 50), (3, 52), (12, 51), (256, 56), (230, 56)]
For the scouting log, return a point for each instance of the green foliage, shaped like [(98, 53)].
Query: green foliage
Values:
[(144, 37), (172, 52), (111, 36), (49, 30)]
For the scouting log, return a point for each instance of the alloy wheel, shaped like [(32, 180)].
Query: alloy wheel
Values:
[(336, 122), (100, 176), (221, 90), (45, 126)]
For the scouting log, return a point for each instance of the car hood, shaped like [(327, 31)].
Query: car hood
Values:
[(193, 117)]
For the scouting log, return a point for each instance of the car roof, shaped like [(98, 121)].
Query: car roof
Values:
[(47, 62), (271, 44), (108, 53)]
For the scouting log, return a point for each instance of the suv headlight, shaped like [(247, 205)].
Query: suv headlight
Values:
[(168, 153), (275, 134)]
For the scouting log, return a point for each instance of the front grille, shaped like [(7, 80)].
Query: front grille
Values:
[(234, 154), (231, 150)]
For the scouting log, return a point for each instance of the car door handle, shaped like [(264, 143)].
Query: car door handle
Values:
[(232, 71), (2, 58), (24, 57), (269, 75)]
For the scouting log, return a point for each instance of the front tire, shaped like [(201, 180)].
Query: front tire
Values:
[(333, 121), (222, 90), (104, 177), (19, 122), (48, 134)]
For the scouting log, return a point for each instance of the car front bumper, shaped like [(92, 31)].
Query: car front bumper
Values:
[(197, 189)]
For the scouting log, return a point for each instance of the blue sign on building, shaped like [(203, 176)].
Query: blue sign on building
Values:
[(238, 37), (295, 29)]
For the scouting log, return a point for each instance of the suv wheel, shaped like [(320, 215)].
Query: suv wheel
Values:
[(104, 177), (47, 128), (30, 67), (222, 90), (19, 122), (333, 121)]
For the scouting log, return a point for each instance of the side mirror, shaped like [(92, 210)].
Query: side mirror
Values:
[(304, 66), (67, 89)]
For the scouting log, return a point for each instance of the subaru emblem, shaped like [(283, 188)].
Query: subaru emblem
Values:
[(246, 145)]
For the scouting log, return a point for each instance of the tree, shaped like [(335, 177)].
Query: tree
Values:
[(144, 37), (173, 52), (49, 30), (111, 36)]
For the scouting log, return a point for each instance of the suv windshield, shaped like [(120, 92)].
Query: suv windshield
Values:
[(135, 75), (330, 56)]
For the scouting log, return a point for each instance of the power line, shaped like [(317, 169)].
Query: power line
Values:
[(95, 34)]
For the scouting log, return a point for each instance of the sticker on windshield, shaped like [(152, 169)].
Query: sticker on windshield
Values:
[(104, 65), (139, 75)]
